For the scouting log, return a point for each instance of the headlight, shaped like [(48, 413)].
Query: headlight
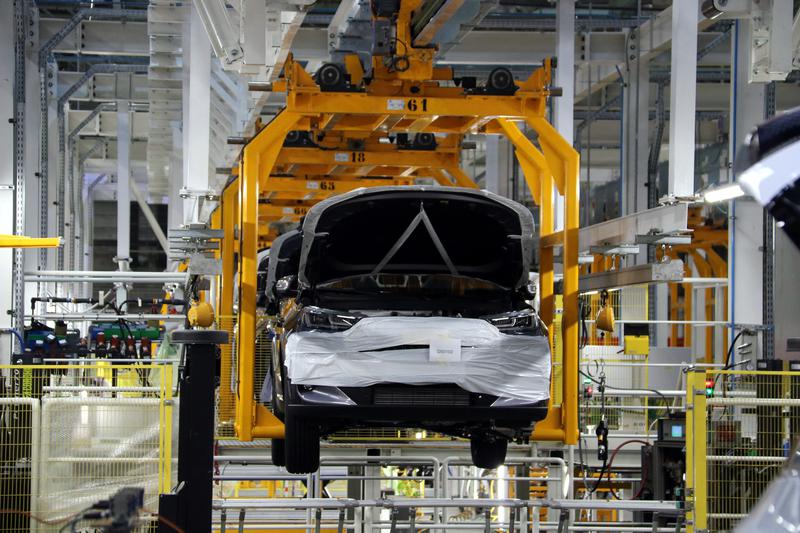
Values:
[(525, 322), (326, 319)]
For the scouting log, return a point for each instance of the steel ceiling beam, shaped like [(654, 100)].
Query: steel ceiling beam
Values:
[(45, 52), (61, 113)]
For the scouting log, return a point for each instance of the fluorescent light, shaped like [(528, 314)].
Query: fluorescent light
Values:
[(724, 193)]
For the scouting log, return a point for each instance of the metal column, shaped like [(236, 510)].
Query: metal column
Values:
[(565, 78), (87, 261), (682, 99), (745, 233), (8, 138), (636, 132), (47, 82), (636, 150), (20, 21), (32, 139), (196, 150), (768, 262), (175, 207), (123, 191)]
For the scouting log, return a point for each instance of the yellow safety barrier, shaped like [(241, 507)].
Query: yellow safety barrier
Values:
[(738, 432), (73, 434)]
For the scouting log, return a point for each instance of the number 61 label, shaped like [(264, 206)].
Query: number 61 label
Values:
[(412, 104)]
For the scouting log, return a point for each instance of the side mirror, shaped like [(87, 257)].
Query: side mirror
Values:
[(531, 288), (285, 286)]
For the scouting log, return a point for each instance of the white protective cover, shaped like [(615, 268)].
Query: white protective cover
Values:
[(468, 352)]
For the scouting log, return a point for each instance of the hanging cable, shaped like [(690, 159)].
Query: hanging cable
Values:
[(602, 432), (667, 405)]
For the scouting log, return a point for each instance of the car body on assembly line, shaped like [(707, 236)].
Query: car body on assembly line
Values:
[(407, 307)]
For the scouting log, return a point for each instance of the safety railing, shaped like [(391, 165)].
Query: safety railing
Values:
[(541, 475), (332, 514), (739, 428), (631, 401), (74, 433), (256, 468), (246, 480)]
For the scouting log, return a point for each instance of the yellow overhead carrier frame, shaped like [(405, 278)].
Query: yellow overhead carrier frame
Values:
[(341, 162), (410, 99)]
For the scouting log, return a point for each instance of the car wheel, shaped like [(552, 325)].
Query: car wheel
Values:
[(278, 451), (302, 445), (488, 451)]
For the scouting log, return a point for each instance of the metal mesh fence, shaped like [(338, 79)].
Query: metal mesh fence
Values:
[(622, 360), (743, 424), (71, 435), (226, 397), (557, 371), (625, 412), (262, 358)]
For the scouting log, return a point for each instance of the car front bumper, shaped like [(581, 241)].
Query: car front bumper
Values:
[(444, 407)]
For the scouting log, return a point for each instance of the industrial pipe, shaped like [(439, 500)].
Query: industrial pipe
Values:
[(105, 317), (260, 86), (109, 276)]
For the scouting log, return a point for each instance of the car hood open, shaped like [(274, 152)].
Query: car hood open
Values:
[(417, 230)]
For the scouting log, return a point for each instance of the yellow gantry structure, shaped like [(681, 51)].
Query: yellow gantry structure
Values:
[(277, 181), (302, 176)]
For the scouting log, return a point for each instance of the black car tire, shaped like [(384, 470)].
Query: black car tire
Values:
[(488, 451), (278, 452), (302, 445)]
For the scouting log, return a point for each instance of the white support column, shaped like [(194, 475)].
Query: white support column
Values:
[(682, 98), (87, 258), (565, 78), (52, 188), (185, 98), (175, 203), (196, 149), (123, 191), (498, 164), (175, 209), (636, 122), (745, 233)]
